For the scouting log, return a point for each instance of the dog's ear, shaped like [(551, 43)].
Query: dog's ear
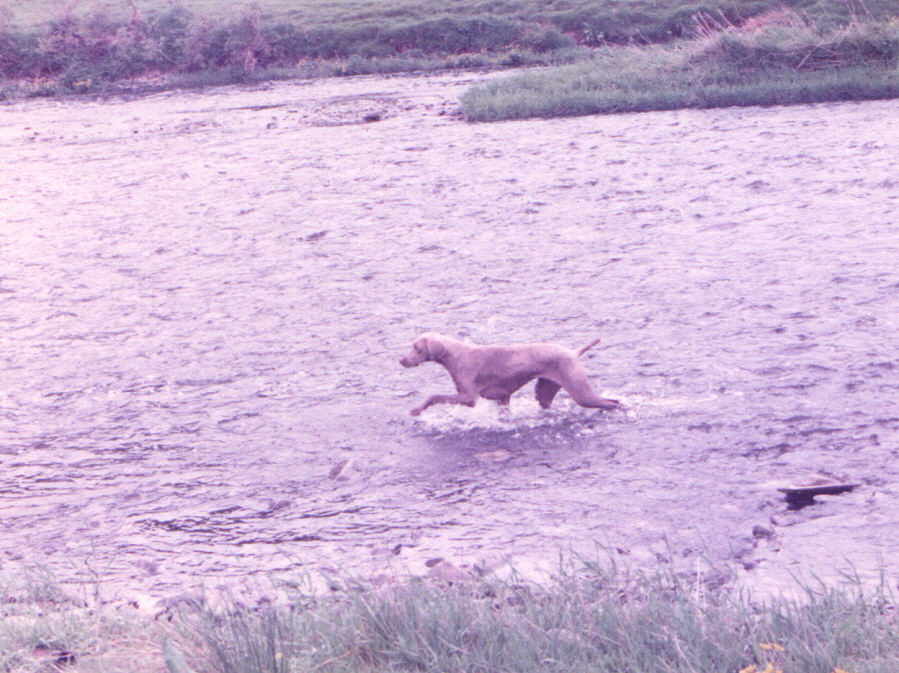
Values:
[(423, 346)]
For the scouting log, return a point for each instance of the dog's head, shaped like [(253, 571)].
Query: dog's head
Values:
[(422, 350)]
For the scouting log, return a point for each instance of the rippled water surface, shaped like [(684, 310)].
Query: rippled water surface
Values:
[(204, 296)]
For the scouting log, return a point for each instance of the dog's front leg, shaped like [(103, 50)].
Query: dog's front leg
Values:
[(458, 398)]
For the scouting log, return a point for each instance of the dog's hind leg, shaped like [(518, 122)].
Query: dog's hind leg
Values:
[(574, 380), (546, 390)]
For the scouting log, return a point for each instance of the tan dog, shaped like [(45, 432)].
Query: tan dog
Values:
[(495, 372)]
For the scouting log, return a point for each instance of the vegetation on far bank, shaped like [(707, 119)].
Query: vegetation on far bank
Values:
[(585, 619), (783, 60), (50, 48)]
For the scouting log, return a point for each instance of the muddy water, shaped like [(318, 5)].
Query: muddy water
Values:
[(203, 298)]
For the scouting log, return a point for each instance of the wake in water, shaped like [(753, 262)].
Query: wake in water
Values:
[(522, 413)]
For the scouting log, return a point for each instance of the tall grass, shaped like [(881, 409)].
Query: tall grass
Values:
[(583, 621), (587, 618), (773, 64), (45, 627)]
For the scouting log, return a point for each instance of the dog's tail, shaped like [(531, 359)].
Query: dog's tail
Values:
[(588, 346)]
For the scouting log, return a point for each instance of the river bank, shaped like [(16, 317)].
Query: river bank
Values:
[(679, 55), (584, 615)]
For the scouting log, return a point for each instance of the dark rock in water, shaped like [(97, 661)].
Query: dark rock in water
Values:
[(188, 600), (277, 505), (340, 470), (151, 568), (743, 547), (448, 573), (315, 236), (759, 531), (489, 564), (803, 496), (57, 657)]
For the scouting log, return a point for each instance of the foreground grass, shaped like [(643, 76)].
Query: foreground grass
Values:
[(45, 628), (586, 619), (776, 64), (583, 621), (50, 48)]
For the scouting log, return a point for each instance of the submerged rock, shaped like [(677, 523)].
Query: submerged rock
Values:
[(762, 531), (802, 496), (444, 571)]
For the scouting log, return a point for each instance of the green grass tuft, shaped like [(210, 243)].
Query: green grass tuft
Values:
[(775, 65)]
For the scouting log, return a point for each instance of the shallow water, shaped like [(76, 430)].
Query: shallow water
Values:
[(204, 296)]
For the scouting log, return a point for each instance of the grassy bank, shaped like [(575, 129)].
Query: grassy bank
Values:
[(49, 48), (46, 628), (584, 620), (784, 61)]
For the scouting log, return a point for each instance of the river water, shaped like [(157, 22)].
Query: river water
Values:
[(204, 297)]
